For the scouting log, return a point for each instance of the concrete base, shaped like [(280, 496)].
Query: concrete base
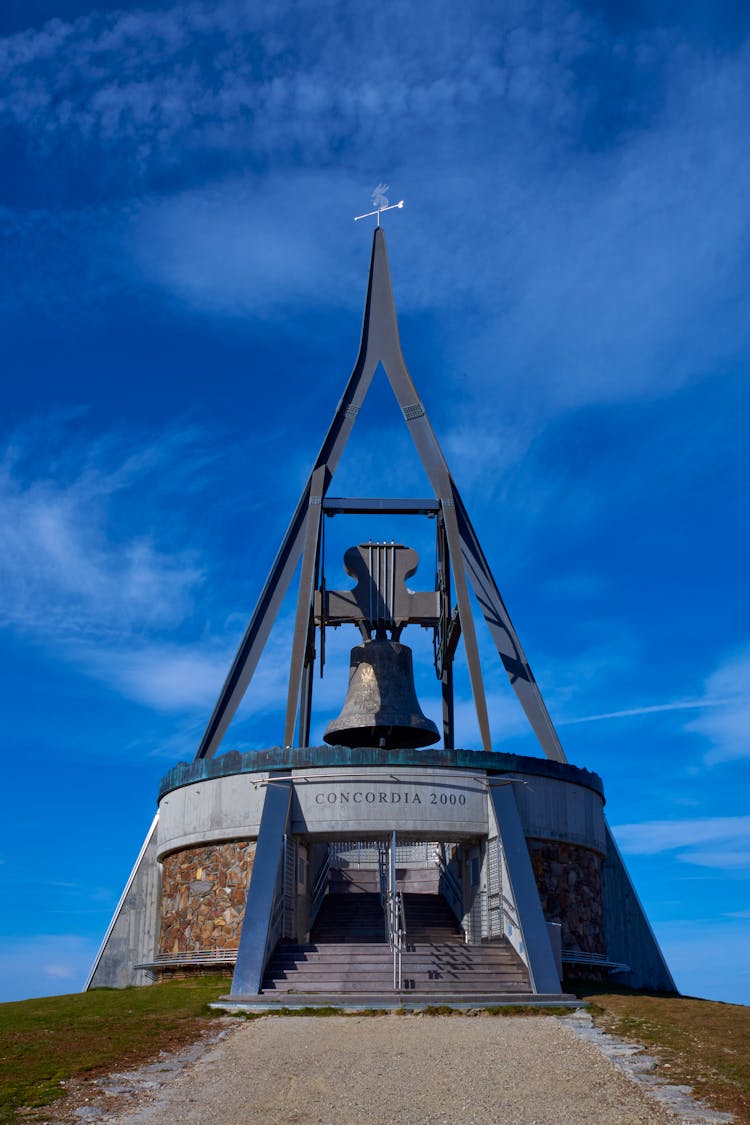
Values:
[(340, 794), (404, 1001)]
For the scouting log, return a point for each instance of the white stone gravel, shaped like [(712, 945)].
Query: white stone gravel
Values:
[(436, 1070)]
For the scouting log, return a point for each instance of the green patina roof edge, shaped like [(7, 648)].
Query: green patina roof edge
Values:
[(318, 757)]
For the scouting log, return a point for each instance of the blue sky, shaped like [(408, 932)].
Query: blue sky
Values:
[(183, 286)]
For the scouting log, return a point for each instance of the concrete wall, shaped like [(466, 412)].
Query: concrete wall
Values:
[(133, 932), (330, 804), (551, 809), (430, 804), (223, 808), (427, 804), (629, 936)]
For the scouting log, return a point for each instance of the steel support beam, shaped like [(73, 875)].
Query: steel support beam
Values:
[(365, 506), (505, 637), (257, 632), (541, 958), (255, 939), (304, 599), (277, 583)]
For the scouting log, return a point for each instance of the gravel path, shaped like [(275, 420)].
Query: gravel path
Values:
[(441, 1070)]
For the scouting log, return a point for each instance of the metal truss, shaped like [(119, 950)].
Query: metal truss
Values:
[(459, 555)]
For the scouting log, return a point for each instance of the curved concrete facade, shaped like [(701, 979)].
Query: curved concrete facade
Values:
[(334, 799), (552, 809), (211, 812)]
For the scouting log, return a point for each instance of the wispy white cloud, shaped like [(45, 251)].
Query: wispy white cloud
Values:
[(652, 709), (66, 572), (721, 842), (722, 710), (237, 248), (727, 729), (166, 677), (62, 971), (227, 75), (44, 964), (90, 570), (293, 112)]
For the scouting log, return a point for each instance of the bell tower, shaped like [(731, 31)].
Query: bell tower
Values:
[(379, 868)]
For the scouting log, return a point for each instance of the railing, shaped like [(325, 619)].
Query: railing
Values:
[(503, 917), (191, 957), (276, 927), (320, 886), (383, 879), (397, 935), (475, 922), (365, 854), (393, 907), (450, 887), (595, 960)]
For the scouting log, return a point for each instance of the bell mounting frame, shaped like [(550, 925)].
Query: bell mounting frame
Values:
[(458, 551)]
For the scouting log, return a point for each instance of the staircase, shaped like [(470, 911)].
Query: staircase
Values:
[(436, 968), (430, 919), (347, 954)]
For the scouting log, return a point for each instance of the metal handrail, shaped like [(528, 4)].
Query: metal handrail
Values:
[(383, 878), (393, 902), (596, 960), (396, 931), (191, 957), (399, 942), (320, 886)]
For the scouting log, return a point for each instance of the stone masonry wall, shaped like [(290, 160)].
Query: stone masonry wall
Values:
[(203, 896), (569, 879)]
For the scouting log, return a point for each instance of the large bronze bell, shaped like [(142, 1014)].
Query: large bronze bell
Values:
[(381, 707)]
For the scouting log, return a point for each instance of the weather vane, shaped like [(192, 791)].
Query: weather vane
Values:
[(380, 203)]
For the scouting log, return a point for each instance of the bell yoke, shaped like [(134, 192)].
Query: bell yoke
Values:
[(381, 707)]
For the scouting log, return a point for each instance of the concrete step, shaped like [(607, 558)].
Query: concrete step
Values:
[(430, 968), (430, 972), (394, 1001), (433, 936), (415, 961), (350, 917), (384, 981), (449, 952), (429, 918), (480, 949), (358, 915), (421, 967), (384, 985)]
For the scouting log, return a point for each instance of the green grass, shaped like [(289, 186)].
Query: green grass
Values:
[(45, 1042), (494, 1010), (700, 1043)]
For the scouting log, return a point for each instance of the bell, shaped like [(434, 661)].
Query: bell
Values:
[(381, 707)]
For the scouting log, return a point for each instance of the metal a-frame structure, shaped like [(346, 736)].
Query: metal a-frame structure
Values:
[(458, 552), (128, 946)]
